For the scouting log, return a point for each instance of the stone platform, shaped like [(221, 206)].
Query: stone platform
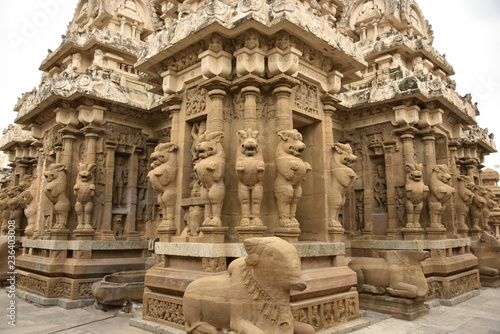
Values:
[(329, 300), (66, 269)]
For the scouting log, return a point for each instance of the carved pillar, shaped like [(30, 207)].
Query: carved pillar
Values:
[(461, 229), (389, 148), (328, 108), (250, 93), (107, 215), (429, 142), (130, 224), (174, 107), (284, 119), (215, 118)]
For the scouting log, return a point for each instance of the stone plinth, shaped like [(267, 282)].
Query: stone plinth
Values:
[(245, 232), (84, 234), (402, 308), (324, 266), (66, 269), (335, 234), (289, 234), (436, 233), (59, 234), (413, 233), (214, 234)]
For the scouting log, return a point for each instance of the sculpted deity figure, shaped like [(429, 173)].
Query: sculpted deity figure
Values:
[(162, 177), (120, 180), (84, 191), (215, 43), (209, 171), (343, 178), (55, 191), (252, 297), (250, 168), (395, 272), (440, 193), (464, 199), (30, 209), (416, 193), (291, 170)]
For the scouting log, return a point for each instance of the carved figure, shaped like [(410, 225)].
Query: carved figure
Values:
[(487, 251), (416, 193), (343, 178), (194, 217), (491, 203), (250, 168), (464, 199), (4, 211), (477, 207), (253, 297), (14, 204), (118, 225), (396, 272), (209, 171), (291, 172), (440, 193), (380, 187), (30, 209), (120, 181), (162, 177), (84, 191), (55, 190)]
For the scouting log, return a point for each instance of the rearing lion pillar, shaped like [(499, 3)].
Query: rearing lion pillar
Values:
[(291, 172)]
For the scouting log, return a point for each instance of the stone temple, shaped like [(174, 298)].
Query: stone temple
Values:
[(168, 136)]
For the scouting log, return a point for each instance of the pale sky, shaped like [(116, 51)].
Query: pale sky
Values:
[(467, 31)]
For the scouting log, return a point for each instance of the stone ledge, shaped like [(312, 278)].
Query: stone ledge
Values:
[(453, 301), (84, 244), (305, 249), (154, 327), (407, 244), (61, 302)]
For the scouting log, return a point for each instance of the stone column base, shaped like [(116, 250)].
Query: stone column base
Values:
[(436, 233), (245, 232), (214, 235), (84, 234), (59, 234), (490, 281), (401, 308), (335, 234), (289, 234), (166, 233), (413, 233)]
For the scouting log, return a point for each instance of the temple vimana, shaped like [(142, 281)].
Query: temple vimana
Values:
[(250, 166)]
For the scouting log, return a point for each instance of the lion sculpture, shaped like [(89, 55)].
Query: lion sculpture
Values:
[(250, 168), (209, 171), (416, 193), (30, 209), (464, 199), (343, 178), (253, 297), (4, 210), (395, 272), (55, 191), (487, 251), (162, 178), (84, 191), (478, 205), (291, 172), (440, 193), (14, 204)]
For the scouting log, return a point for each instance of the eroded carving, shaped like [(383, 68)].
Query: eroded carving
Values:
[(84, 191), (209, 171), (291, 172), (487, 250), (162, 177), (55, 191), (249, 299), (416, 193), (398, 273), (343, 178), (250, 168), (464, 199), (440, 193)]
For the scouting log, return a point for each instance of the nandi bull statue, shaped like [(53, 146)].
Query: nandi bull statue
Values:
[(253, 297)]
